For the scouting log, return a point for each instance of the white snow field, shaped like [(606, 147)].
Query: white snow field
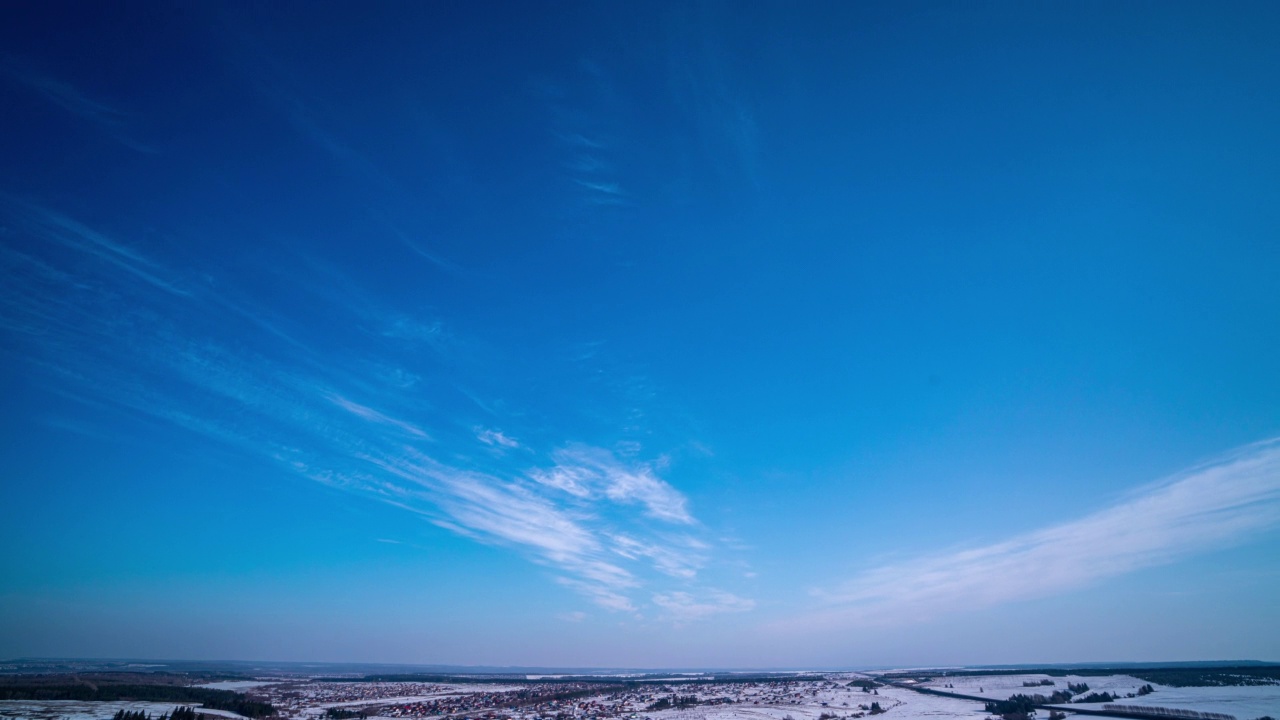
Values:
[(779, 699), (89, 710), (1245, 702), (1000, 687), (237, 685)]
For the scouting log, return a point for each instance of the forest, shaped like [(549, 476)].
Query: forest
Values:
[(209, 698)]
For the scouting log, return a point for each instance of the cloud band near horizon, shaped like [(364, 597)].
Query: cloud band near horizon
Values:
[(1210, 506)]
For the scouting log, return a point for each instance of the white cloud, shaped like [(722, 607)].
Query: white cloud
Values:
[(668, 559), (586, 472), (602, 596), (572, 480), (57, 227), (372, 415), (405, 328), (587, 516), (1207, 507), (495, 438), (642, 486), (682, 606)]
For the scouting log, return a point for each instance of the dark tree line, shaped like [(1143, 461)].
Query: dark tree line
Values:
[(238, 703), (179, 713), (1017, 706), (675, 701), (863, 683), (1210, 676)]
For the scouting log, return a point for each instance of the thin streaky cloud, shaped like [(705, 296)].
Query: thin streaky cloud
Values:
[(1208, 507), (602, 596), (67, 96), (683, 606), (604, 193), (56, 227), (606, 188), (580, 140), (369, 413), (668, 558), (496, 438), (421, 251), (590, 472), (585, 513), (75, 101)]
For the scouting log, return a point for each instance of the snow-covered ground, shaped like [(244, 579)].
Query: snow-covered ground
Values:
[(765, 700), (236, 685), (815, 700), (1244, 702), (918, 705), (1000, 687), (89, 710)]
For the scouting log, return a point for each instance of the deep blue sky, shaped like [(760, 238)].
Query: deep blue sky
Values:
[(640, 334)]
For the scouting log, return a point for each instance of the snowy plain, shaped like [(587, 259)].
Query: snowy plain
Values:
[(780, 700), (1245, 702), (90, 710)]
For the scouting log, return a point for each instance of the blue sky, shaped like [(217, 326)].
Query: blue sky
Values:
[(640, 334)]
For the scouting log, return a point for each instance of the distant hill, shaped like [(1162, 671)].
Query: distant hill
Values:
[(239, 669)]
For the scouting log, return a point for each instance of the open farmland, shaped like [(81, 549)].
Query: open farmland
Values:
[(830, 696)]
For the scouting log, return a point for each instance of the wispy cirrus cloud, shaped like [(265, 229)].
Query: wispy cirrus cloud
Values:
[(684, 607), (76, 101), (104, 323), (496, 438), (581, 126), (593, 472), (1204, 508), (59, 228), (710, 88), (69, 98), (676, 558), (372, 415), (603, 193), (490, 509)]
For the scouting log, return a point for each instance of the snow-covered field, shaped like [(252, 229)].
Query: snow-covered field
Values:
[(1000, 687), (237, 685), (811, 700), (779, 699), (786, 700), (88, 710), (1244, 702)]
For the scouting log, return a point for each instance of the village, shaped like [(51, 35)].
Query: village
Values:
[(1233, 694), (828, 699)]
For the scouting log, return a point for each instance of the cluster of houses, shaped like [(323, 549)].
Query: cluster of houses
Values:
[(550, 698), (559, 700), (300, 699), (586, 701)]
